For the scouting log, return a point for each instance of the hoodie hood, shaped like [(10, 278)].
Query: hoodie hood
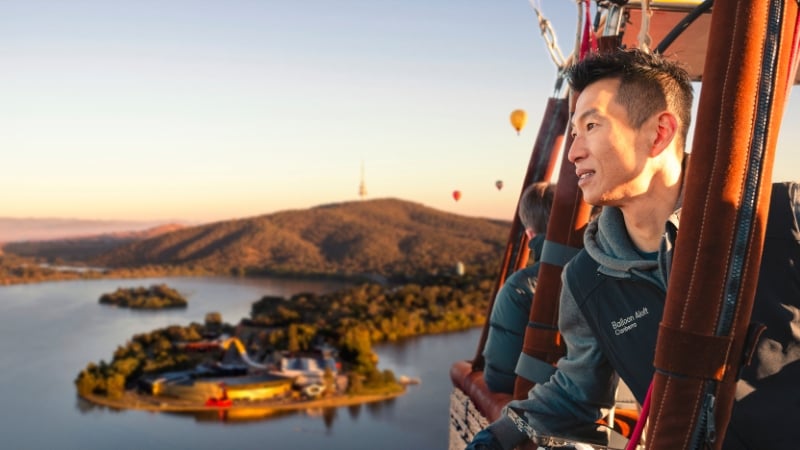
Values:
[(606, 240)]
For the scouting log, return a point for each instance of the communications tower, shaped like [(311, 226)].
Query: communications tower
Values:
[(362, 187)]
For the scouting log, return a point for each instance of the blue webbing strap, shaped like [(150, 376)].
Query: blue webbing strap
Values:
[(557, 254), (533, 369)]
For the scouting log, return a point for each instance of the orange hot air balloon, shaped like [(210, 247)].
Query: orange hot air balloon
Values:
[(456, 195), (518, 119), (498, 184)]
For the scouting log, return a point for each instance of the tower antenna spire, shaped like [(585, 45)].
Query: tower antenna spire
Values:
[(362, 187)]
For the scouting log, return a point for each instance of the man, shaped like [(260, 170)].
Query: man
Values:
[(630, 125), (512, 305)]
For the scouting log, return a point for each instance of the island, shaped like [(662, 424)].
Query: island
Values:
[(306, 351), (194, 368), (157, 296)]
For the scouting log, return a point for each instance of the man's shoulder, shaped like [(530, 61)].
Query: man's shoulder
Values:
[(580, 264), (581, 275), (522, 277)]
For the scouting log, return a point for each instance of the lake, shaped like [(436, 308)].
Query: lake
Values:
[(50, 331)]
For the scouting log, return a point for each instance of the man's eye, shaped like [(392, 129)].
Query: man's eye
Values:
[(589, 126)]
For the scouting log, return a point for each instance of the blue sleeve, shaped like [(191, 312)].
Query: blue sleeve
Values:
[(507, 325)]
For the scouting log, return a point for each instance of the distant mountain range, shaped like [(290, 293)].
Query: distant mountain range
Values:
[(82, 248), (384, 236), (34, 229)]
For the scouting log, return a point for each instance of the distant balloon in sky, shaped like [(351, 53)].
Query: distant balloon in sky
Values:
[(498, 184), (518, 119), (456, 195)]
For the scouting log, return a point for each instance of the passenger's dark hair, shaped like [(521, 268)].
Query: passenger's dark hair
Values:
[(648, 83), (535, 205)]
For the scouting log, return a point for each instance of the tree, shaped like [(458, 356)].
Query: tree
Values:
[(115, 385), (87, 381), (126, 366), (293, 344), (329, 381), (355, 383)]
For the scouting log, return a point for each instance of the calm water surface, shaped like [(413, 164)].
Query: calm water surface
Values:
[(50, 331)]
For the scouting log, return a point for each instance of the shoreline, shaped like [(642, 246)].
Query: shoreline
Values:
[(133, 400), (53, 276)]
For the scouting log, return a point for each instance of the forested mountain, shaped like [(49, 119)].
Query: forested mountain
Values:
[(383, 236)]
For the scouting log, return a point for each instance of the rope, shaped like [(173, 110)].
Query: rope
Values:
[(644, 31), (578, 30), (549, 36)]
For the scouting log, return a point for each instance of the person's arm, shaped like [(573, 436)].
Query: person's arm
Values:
[(575, 396), (507, 324), (584, 383)]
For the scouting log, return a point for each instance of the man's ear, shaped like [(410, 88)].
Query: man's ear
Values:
[(665, 133), (529, 232)]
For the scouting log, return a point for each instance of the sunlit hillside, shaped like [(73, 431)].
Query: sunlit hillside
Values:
[(383, 236)]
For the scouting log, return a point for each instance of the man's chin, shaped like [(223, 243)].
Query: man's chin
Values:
[(590, 198)]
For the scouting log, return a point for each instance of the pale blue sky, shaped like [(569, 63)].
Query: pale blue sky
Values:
[(208, 110)]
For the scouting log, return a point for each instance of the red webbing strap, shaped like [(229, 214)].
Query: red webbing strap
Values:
[(540, 167), (692, 354), (793, 61), (732, 154), (544, 342), (588, 40)]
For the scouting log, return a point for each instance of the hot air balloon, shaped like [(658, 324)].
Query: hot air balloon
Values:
[(456, 195), (518, 118), (498, 184)]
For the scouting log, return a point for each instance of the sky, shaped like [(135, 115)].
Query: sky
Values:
[(200, 110)]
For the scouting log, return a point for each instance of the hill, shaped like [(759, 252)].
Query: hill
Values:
[(383, 236), (82, 248)]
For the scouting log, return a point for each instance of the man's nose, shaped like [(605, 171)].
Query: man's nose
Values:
[(576, 150)]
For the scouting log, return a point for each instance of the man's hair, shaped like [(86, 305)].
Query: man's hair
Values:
[(535, 204), (648, 83)]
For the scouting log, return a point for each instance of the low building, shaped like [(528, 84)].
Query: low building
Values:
[(154, 384), (248, 388), (196, 391), (258, 387), (308, 369)]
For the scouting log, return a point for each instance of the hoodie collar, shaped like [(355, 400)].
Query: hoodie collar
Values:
[(607, 241)]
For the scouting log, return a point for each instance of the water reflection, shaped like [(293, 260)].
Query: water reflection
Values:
[(329, 415), (236, 415), (380, 409), (242, 414), (84, 406), (87, 407), (354, 411)]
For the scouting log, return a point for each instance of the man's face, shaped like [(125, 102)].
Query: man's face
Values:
[(608, 153)]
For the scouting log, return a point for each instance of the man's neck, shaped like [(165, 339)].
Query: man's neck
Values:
[(645, 218)]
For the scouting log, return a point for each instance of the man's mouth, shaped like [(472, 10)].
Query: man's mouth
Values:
[(584, 174)]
